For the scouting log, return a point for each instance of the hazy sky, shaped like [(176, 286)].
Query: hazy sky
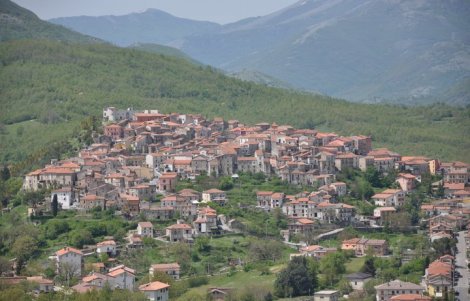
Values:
[(221, 11)]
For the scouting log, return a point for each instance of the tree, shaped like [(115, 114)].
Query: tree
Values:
[(5, 265), (332, 266), (372, 175), (444, 246), (23, 248), (265, 249), (368, 266), (54, 205), (226, 183), (5, 173), (344, 286), (81, 237), (296, 279)]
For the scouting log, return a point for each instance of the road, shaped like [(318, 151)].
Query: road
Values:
[(462, 268)]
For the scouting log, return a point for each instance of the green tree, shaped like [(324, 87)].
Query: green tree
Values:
[(5, 173), (23, 248), (368, 266), (372, 175), (296, 279), (332, 266), (54, 205)]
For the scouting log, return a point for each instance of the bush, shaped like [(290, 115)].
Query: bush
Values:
[(198, 281)]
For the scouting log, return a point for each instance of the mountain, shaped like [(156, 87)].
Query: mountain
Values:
[(164, 50), (405, 51), (152, 26), (19, 23), (360, 50)]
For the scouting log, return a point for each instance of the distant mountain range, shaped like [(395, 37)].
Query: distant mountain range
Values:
[(152, 26), (407, 51)]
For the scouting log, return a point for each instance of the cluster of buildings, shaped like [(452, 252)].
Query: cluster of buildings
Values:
[(144, 154)]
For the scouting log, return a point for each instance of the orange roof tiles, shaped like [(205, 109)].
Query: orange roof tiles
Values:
[(153, 286)]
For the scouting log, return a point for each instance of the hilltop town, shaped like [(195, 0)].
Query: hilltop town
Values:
[(179, 179)]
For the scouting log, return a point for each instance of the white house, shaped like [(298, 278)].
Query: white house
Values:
[(65, 197), (358, 280), (171, 269), (69, 261), (155, 291), (326, 295), (214, 195), (106, 247), (122, 277), (145, 229)]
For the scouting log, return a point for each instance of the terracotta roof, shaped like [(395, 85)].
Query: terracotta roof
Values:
[(165, 266), (179, 226), (66, 250), (213, 190), (106, 243), (146, 224), (153, 286), (439, 268), (410, 297), (305, 221)]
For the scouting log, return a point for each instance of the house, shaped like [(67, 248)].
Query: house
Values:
[(438, 278), (156, 212), (44, 285), (51, 176), (361, 246), (185, 206), (155, 291), (69, 261), (179, 232), (145, 229), (65, 197), (300, 226), (206, 221), (167, 181), (386, 291), (122, 277), (219, 293), (407, 181), (384, 214), (358, 280), (96, 279), (172, 269), (389, 198), (92, 201), (316, 251), (326, 295), (106, 247), (214, 195), (114, 131), (135, 242)]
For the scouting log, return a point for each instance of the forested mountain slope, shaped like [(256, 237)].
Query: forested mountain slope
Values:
[(19, 23)]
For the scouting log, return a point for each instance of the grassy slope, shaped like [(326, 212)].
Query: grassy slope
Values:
[(38, 78)]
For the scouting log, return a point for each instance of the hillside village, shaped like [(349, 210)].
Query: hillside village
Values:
[(142, 162)]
